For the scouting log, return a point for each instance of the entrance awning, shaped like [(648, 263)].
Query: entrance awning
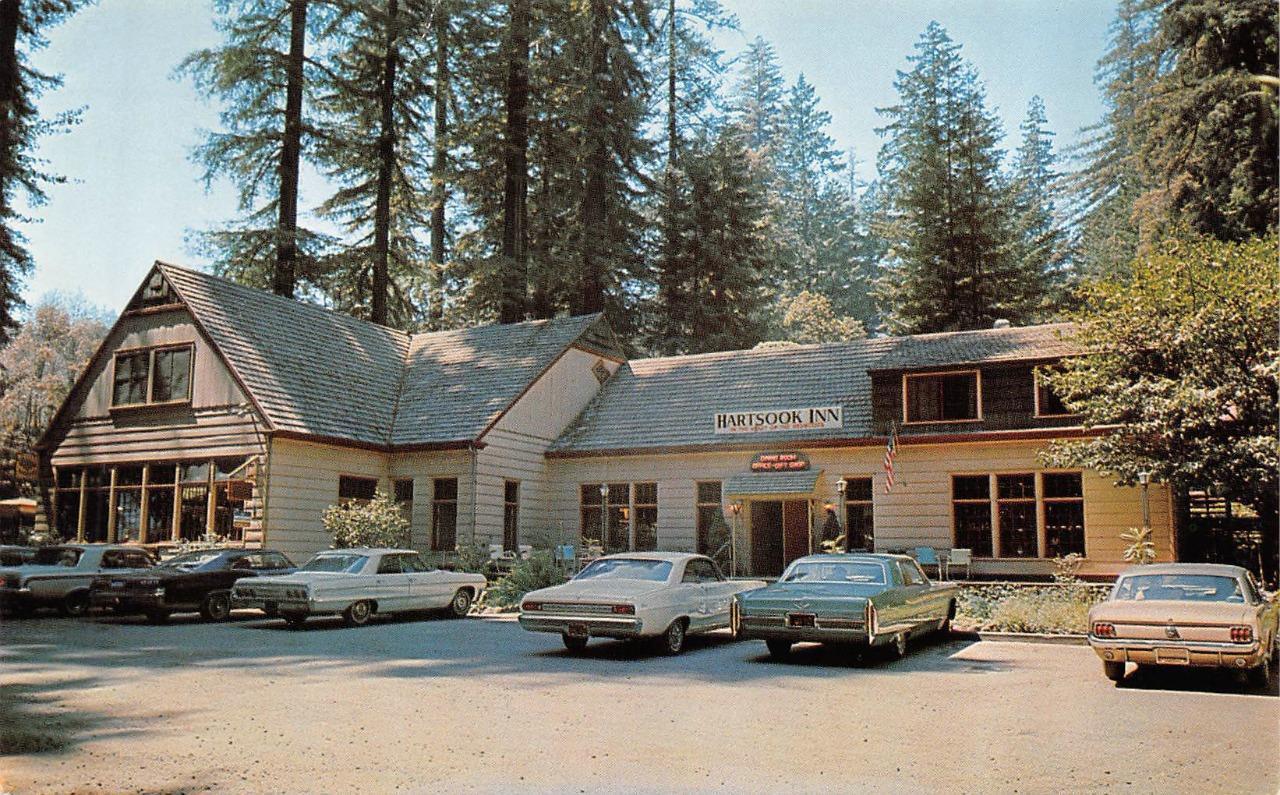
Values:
[(754, 484)]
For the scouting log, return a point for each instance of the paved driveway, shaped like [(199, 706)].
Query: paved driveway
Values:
[(479, 705)]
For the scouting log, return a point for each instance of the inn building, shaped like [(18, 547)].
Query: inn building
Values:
[(216, 410)]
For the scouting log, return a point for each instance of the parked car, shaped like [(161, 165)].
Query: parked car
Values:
[(860, 599), (357, 583), (59, 576), (633, 595), (194, 582), (1199, 614), (14, 555)]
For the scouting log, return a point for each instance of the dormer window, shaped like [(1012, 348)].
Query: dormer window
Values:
[(1048, 404), (151, 376), (942, 397)]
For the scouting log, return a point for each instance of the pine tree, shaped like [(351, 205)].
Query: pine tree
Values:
[(946, 204), (262, 76), (1040, 242), (515, 218), (758, 97), (375, 99), (22, 175)]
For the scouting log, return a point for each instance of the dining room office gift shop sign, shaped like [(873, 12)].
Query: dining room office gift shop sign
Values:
[(797, 419)]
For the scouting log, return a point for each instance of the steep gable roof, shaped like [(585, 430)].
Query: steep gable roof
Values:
[(671, 402), (316, 372)]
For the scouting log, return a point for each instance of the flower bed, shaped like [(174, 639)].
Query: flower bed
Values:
[(1049, 608)]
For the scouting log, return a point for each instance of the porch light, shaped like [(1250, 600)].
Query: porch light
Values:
[(842, 485), (735, 508), (604, 490), (1144, 477)]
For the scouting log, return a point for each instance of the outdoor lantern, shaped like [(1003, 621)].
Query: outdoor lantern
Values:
[(842, 485), (735, 508), (604, 490), (1144, 477)]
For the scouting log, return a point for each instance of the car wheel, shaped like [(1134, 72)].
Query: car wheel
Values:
[(270, 612), (673, 638), (75, 603), (574, 642), (357, 615), (945, 625), (461, 604), (157, 616), (216, 607), (899, 646), (294, 620), (1113, 670), (1260, 674), (779, 649)]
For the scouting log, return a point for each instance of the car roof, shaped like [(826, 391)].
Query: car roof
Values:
[(366, 551), (1218, 569), (846, 557), (672, 557)]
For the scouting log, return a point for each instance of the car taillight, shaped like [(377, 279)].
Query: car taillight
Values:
[(1103, 630), (1242, 634), (531, 606), (624, 610), (873, 623)]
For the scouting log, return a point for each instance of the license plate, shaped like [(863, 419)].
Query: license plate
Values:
[(1172, 657), (576, 630), (117, 583), (801, 620)]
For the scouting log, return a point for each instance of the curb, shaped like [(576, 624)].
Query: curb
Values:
[(1031, 637)]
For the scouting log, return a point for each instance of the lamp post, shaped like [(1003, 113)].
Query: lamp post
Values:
[(604, 517), (735, 508), (842, 486), (1144, 478)]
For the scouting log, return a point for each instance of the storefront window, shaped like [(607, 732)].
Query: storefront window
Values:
[(1018, 507), (710, 517), (646, 516), (1016, 512), (615, 509), (444, 514), (194, 512), (971, 509), (859, 517), (1063, 514)]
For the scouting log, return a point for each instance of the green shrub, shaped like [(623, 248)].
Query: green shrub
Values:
[(538, 571), (472, 558), (1050, 609), (376, 523)]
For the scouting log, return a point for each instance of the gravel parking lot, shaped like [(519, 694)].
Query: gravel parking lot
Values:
[(479, 705)]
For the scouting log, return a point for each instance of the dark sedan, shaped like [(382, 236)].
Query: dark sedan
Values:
[(194, 582)]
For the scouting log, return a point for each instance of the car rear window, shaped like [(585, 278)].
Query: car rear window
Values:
[(626, 569), (1179, 587), (824, 571), (193, 560), (338, 563), (57, 556)]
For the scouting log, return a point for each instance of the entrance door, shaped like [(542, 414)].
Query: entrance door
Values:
[(795, 530), (766, 538)]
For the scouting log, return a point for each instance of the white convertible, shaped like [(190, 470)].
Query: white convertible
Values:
[(356, 583), (633, 595)]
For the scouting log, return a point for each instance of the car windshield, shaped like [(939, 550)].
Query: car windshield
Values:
[(824, 571), (57, 556), (626, 569), (193, 560), (339, 563), (1182, 587)]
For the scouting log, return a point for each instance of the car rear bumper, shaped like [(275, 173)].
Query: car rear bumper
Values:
[(16, 598), (594, 626), (301, 607), (127, 601), (776, 628), (1175, 652)]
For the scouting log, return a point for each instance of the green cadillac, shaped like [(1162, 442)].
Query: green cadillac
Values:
[(855, 599)]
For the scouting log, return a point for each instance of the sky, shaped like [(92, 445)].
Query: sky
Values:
[(133, 194)]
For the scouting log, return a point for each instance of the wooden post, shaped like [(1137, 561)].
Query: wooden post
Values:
[(211, 504), (80, 514), (53, 496), (143, 513), (111, 508), (175, 521)]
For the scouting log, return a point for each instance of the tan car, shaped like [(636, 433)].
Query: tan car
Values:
[(1200, 614)]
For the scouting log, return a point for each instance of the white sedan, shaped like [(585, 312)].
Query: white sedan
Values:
[(632, 595), (356, 583)]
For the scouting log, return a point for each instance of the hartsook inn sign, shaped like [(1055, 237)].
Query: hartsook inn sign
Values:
[(792, 419)]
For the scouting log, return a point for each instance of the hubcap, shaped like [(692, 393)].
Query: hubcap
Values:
[(676, 637), (461, 603), (360, 610)]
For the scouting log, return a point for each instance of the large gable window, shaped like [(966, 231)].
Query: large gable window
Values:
[(152, 375), (1048, 404), (942, 397)]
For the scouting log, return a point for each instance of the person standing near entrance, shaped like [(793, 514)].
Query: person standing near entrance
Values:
[(831, 541)]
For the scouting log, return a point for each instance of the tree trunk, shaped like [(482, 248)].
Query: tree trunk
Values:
[(593, 216), (386, 171), (668, 277), (515, 234), (439, 166), (10, 95), (290, 154)]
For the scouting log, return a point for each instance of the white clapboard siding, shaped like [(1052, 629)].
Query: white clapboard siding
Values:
[(303, 482), (423, 468), (169, 436), (916, 513)]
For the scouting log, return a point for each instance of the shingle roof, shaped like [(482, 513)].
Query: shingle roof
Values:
[(773, 482), (671, 402), (318, 372)]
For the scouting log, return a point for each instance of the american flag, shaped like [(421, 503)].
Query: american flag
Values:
[(890, 452)]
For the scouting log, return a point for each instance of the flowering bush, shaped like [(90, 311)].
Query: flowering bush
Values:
[(1059, 609), (376, 523), (539, 570)]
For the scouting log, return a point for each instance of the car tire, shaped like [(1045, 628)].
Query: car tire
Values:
[(157, 616), (75, 604), (779, 649), (294, 620), (1260, 674), (216, 606), (460, 604), (574, 642), (673, 639), (944, 626), (358, 614), (271, 612), (1113, 670)]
